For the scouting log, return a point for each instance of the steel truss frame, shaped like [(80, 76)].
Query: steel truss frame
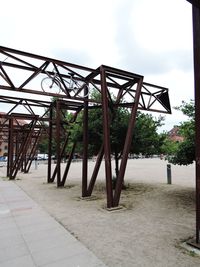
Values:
[(22, 141), (103, 79), (118, 88)]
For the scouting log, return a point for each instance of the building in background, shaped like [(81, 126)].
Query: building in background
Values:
[(4, 133), (174, 134)]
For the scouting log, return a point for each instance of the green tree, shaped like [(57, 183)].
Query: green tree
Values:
[(118, 127), (118, 131), (168, 147), (185, 152), (43, 145), (119, 120), (146, 140)]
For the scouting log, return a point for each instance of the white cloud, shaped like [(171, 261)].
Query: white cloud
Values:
[(162, 25), (152, 38)]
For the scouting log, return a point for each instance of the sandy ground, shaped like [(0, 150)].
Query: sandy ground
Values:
[(149, 231)]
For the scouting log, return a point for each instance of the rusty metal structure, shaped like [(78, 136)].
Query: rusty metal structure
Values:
[(20, 86), (21, 74), (196, 51)]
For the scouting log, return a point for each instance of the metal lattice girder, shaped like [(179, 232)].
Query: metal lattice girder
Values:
[(121, 89), (35, 68), (121, 84)]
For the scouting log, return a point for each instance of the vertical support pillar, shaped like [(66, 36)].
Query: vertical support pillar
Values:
[(24, 137), (127, 144), (196, 47), (33, 150), (85, 146), (68, 165), (50, 144), (17, 137), (10, 149), (95, 171), (58, 143), (106, 135)]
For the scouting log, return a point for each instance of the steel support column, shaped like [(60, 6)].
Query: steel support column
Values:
[(32, 153), (85, 146), (49, 180), (106, 134), (95, 171), (58, 139), (196, 44), (71, 155), (61, 156), (10, 149), (127, 145)]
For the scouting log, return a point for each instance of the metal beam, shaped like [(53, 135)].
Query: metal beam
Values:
[(196, 46), (196, 3), (127, 146), (106, 135)]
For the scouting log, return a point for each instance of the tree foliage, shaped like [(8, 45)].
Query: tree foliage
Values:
[(146, 140), (185, 152)]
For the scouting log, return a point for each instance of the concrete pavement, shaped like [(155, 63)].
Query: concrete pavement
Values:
[(30, 237)]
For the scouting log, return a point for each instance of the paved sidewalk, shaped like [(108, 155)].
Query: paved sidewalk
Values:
[(29, 236)]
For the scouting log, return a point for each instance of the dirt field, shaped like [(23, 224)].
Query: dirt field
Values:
[(149, 231)]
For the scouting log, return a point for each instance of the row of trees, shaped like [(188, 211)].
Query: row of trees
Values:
[(146, 139)]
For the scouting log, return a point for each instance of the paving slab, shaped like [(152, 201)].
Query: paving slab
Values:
[(30, 237)]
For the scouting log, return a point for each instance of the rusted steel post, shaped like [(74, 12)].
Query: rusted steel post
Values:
[(17, 136), (196, 47), (62, 155), (106, 135), (127, 144), (10, 149), (33, 150), (68, 165), (24, 154), (58, 143), (50, 144), (95, 171), (23, 149), (24, 138), (85, 146)]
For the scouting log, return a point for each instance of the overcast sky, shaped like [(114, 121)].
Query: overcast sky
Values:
[(149, 37)]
